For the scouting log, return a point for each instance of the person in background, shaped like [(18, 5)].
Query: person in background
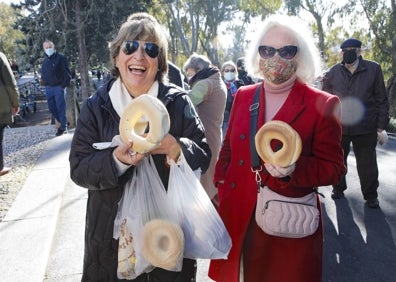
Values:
[(285, 55), (208, 94), (391, 90), (360, 85), (56, 76), (9, 103), (139, 66), (229, 74), (242, 73), (15, 68), (175, 74)]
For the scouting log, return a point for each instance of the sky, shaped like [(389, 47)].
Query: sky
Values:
[(9, 1)]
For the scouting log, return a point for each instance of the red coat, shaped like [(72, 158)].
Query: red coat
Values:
[(314, 114)]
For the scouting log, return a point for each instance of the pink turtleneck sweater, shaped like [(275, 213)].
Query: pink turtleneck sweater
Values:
[(275, 96)]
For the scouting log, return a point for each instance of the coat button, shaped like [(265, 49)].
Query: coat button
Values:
[(241, 162), (242, 136), (233, 185)]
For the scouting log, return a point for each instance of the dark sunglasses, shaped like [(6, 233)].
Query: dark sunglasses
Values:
[(287, 52), (229, 70), (130, 47)]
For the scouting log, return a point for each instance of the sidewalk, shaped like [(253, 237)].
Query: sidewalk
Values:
[(42, 235), (27, 231)]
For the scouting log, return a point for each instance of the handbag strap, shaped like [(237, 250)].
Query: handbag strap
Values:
[(255, 160), (256, 165)]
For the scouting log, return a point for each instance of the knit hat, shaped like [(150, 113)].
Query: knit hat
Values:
[(351, 42)]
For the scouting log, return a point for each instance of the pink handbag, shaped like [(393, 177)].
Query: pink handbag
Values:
[(278, 215), (282, 216)]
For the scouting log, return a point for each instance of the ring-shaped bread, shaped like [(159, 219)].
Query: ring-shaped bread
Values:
[(290, 139), (142, 111), (163, 243)]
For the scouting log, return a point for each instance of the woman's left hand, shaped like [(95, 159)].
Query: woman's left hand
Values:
[(278, 171), (169, 147)]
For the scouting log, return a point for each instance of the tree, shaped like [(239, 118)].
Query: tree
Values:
[(8, 35), (80, 28), (194, 25), (321, 11), (381, 19), (382, 22)]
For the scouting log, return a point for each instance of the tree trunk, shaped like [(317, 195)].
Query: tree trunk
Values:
[(83, 63)]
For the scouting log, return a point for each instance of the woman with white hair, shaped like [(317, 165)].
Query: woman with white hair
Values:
[(285, 56)]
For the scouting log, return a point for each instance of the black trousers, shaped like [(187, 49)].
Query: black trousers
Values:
[(2, 126), (366, 163)]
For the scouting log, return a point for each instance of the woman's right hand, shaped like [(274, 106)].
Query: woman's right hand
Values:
[(278, 171), (124, 154)]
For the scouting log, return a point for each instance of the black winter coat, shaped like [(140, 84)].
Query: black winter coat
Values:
[(96, 170), (365, 105)]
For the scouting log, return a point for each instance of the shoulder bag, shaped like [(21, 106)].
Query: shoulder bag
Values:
[(278, 215)]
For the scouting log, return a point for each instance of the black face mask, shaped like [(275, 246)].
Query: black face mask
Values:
[(242, 72), (349, 56)]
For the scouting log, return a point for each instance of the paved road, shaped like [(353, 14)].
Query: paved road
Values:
[(42, 235), (359, 241)]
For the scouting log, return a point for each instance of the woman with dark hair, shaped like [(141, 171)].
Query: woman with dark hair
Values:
[(139, 57)]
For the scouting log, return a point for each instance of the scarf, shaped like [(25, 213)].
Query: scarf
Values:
[(120, 96), (202, 74)]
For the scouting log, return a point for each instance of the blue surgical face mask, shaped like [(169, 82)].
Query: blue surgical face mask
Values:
[(229, 76), (49, 51)]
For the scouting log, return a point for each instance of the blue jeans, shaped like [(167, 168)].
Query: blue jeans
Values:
[(57, 104)]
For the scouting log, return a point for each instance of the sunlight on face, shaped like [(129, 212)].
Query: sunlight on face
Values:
[(276, 69), (137, 70)]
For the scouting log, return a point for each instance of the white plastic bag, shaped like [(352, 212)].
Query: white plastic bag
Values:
[(204, 232), (143, 207)]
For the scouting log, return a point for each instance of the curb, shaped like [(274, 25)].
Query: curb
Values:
[(27, 231)]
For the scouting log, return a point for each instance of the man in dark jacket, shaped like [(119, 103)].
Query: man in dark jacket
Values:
[(56, 75), (242, 73), (365, 113)]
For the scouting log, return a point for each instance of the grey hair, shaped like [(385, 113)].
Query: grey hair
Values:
[(197, 63), (309, 63), (50, 42)]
